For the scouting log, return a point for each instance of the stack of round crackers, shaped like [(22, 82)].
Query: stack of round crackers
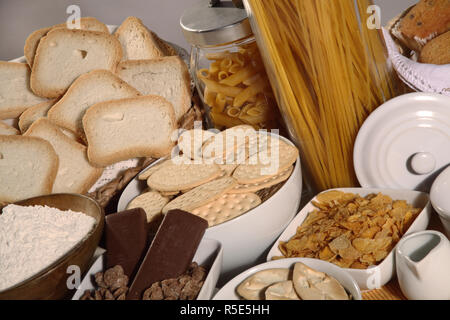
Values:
[(217, 175)]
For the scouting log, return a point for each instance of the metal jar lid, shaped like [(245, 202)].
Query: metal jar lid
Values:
[(207, 25)]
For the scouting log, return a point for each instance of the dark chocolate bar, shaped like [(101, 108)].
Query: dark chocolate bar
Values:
[(171, 251), (126, 238)]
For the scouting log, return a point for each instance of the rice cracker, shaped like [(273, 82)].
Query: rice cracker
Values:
[(266, 163), (182, 176), (267, 183), (201, 195), (152, 202), (227, 207)]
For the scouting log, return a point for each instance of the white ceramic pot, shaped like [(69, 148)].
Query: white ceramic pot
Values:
[(228, 292), (440, 198)]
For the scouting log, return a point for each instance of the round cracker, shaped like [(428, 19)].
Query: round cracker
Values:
[(257, 169), (227, 207), (152, 202), (267, 183), (182, 176), (223, 144), (190, 142), (201, 195)]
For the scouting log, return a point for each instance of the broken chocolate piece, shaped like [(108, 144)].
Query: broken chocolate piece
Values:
[(126, 237)]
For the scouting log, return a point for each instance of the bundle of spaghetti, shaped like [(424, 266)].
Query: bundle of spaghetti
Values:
[(328, 72)]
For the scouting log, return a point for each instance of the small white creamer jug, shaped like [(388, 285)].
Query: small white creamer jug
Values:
[(423, 266)]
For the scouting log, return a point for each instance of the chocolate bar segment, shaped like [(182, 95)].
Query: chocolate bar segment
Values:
[(171, 251), (126, 238)]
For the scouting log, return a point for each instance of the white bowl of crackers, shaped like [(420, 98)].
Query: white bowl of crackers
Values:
[(356, 229), (292, 279), (248, 202)]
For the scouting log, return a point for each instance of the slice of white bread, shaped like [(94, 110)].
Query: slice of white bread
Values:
[(137, 41), (33, 113), (15, 93), (167, 77), (39, 111), (28, 167), (129, 128), (7, 130), (32, 42), (63, 55), (75, 173), (89, 89)]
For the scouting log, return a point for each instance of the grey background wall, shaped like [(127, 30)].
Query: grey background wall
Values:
[(18, 18)]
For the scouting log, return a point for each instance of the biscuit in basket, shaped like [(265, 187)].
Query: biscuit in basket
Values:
[(182, 176), (227, 207), (15, 92), (201, 195), (87, 90), (152, 202), (266, 163), (33, 113), (32, 42), (28, 167), (75, 173), (437, 51), (7, 130), (267, 183), (63, 55), (129, 128)]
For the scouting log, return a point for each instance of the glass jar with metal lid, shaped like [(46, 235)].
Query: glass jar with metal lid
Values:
[(227, 67)]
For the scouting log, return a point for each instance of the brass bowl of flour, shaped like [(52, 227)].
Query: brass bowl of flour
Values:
[(51, 283)]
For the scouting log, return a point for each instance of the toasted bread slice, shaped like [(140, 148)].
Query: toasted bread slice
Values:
[(28, 167), (7, 130), (437, 51), (32, 42), (75, 173), (63, 55), (33, 113), (137, 41), (89, 89), (15, 93), (129, 128), (167, 77)]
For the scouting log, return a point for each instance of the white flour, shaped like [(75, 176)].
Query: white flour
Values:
[(32, 238)]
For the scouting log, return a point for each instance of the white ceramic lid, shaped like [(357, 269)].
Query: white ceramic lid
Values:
[(405, 143)]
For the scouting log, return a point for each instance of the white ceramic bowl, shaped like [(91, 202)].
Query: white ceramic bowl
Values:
[(228, 292), (209, 254), (247, 238), (440, 198), (378, 276)]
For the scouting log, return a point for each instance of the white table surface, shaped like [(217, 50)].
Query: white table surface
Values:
[(18, 18)]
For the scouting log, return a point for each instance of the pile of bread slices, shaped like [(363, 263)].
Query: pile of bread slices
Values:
[(84, 100)]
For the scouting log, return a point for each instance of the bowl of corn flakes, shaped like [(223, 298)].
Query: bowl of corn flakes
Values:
[(356, 229)]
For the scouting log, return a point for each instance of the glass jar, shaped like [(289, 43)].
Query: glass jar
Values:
[(227, 68)]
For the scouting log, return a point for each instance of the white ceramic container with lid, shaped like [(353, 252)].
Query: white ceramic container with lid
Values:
[(377, 276), (228, 292), (405, 143)]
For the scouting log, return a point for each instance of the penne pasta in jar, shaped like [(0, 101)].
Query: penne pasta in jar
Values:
[(228, 69), (235, 81)]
